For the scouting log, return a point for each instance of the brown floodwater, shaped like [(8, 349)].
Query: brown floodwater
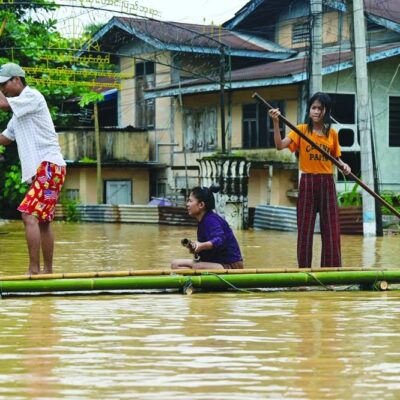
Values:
[(269, 345)]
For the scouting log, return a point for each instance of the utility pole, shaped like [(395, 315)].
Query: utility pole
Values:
[(99, 186), (364, 123), (222, 97), (316, 47)]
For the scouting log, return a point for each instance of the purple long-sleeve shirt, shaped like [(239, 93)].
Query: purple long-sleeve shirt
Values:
[(213, 228)]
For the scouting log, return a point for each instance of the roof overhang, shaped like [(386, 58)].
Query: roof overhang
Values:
[(288, 79), (268, 50)]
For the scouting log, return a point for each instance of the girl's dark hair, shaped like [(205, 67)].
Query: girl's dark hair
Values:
[(205, 195), (326, 103)]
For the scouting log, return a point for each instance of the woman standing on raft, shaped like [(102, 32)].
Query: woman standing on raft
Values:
[(317, 192), (216, 244)]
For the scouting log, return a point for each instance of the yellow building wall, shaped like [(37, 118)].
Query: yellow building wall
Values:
[(285, 34), (127, 94), (258, 187), (330, 27), (283, 180), (117, 145), (84, 179), (163, 130), (264, 191), (330, 30)]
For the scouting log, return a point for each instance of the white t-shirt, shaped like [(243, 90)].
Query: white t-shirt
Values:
[(32, 128)]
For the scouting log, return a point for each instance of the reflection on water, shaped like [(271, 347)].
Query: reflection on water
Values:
[(273, 345)]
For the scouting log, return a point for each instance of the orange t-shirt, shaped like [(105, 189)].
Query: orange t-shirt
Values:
[(311, 161)]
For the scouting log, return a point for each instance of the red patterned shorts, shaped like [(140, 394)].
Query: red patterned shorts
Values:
[(42, 196)]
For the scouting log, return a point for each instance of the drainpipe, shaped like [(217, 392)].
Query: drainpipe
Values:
[(222, 97), (99, 183)]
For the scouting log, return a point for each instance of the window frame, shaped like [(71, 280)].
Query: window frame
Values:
[(264, 135), (106, 195), (394, 114), (145, 109), (200, 129)]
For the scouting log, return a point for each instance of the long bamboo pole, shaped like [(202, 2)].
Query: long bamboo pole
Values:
[(162, 272), (210, 281), (329, 156)]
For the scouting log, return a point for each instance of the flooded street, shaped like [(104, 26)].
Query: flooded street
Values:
[(118, 247), (272, 345)]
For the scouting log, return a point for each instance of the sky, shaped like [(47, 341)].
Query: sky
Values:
[(196, 11), (73, 19)]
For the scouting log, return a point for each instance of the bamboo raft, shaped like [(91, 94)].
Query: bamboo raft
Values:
[(187, 281)]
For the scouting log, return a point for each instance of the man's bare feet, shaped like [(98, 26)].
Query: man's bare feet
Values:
[(33, 272), (47, 271)]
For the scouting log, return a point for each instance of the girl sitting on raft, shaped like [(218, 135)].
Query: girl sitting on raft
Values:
[(216, 246)]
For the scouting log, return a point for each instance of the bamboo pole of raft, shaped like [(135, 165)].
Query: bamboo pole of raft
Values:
[(157, 272), (330, 157), (208, 281)]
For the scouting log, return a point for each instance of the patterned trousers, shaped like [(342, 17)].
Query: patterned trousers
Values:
[(317, 194)]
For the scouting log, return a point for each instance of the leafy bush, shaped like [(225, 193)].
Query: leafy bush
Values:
[(14, 189), (70, 208), (391, 198), (350, 198)]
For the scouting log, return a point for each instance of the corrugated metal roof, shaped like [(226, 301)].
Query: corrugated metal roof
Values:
[(176, 36), (388, 9), (278, 72)]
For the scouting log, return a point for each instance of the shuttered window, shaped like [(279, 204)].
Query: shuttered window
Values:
[(200, 129), (301, 33), (394, 121)]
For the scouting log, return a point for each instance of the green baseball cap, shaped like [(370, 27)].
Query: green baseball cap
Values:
[(7, 71)]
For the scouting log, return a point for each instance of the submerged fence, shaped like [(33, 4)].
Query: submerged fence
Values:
[(275, 217), (284, 219)]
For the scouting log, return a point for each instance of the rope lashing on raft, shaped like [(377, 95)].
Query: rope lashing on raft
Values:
[(374, 287), (321, 283), (380, 276), (188, 286), (329, 288), (228, 283)]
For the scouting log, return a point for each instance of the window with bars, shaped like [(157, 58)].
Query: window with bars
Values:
[(394, 121), (258, 129)]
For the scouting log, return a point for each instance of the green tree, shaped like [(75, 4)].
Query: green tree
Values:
[(33, 42)]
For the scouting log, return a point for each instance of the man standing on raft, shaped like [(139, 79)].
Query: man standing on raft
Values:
[(42, 164)]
